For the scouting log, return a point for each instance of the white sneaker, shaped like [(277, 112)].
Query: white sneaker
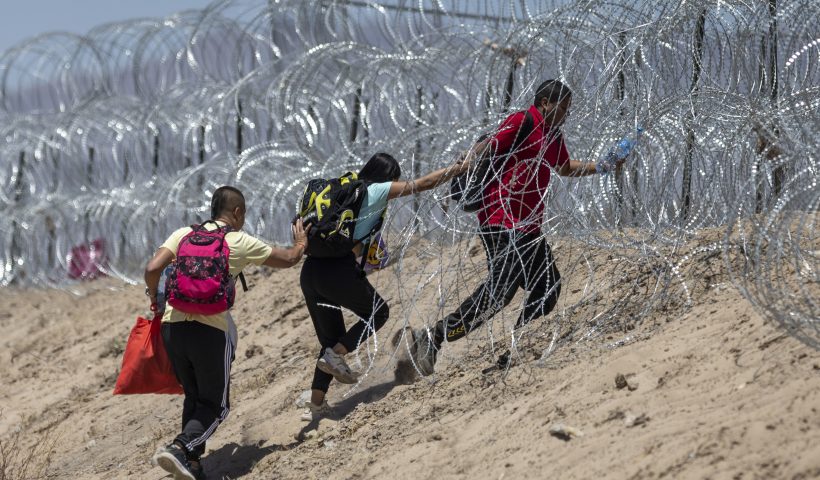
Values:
[(315, 412), (332, 363)]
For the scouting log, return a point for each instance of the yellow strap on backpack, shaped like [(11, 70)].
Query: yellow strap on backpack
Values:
[(348, 177), (321, 202)]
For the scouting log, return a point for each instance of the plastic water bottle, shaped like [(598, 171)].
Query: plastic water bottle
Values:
[(161, 288), (620, 151)]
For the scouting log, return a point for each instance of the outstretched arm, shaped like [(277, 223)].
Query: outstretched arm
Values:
[(288, 257), (431, 180), (478, 150), (576, 168)]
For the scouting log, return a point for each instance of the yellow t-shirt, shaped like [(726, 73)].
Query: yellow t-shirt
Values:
[(244, 248)]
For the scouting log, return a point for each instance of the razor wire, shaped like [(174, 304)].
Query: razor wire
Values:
[(113, 139)]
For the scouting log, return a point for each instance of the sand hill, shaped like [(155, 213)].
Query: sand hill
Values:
[(705, 390)]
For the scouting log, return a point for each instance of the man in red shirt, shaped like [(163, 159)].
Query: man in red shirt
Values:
[(510, 221)]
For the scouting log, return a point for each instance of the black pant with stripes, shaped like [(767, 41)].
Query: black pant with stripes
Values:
[(201, 356), (515, 260), (330, 283)]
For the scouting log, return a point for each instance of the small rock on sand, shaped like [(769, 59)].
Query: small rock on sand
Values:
[(565, 432)]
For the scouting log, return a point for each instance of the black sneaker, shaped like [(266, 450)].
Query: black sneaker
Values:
[(172, 459)]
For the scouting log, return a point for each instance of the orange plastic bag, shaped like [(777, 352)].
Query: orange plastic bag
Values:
[(145, 364)]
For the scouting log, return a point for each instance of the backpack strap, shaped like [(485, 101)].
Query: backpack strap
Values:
[(199, 226), (363, 262), (524, 131), (349, 176), (219, 228), (228, 229)]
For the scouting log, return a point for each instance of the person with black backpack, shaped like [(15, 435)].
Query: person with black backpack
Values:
[(511, 173), (343, 215), (197, 328)]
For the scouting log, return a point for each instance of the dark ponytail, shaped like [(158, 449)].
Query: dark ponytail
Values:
[(381, 167)]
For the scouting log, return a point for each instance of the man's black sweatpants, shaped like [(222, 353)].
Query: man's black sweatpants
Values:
[(330, 283), (515, 260), (201, 356)]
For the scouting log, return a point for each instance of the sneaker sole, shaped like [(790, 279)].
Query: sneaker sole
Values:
[(405, 372), (342, 377), (420, 363), (170, 464)]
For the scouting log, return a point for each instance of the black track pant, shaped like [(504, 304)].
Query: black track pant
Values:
[(201, 356), (515, 260), (330, 283)]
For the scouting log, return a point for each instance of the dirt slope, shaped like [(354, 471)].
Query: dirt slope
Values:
[(711, 391)]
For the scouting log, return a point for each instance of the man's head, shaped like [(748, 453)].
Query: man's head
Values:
[(228, 204), (553, 99)]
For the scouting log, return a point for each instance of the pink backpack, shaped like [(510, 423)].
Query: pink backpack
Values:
[(200, 281)]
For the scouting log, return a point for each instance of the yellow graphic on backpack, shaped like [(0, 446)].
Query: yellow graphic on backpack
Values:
[(330, 207)]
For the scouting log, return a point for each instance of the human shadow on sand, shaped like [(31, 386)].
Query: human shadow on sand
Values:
[(367, 395), (234, 460)]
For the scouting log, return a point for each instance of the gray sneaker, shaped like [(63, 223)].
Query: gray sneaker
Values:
[(173, 460), (334, 364), (424, 352)]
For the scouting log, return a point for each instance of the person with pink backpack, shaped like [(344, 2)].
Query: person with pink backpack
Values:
[(197, 328)]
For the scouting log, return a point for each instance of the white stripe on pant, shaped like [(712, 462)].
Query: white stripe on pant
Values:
[(201, 356)]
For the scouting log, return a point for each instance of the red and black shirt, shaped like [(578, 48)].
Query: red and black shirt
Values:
[(516, 200)]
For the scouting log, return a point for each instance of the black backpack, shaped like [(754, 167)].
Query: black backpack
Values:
[(331, 207), (468, 188)]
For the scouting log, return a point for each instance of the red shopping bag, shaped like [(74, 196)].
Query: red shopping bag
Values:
[(145, 364)]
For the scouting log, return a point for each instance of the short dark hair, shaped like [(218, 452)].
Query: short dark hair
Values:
[(381, 167), (225, 199), (552, 90)]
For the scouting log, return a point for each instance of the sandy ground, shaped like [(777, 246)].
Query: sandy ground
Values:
[(709, 390)]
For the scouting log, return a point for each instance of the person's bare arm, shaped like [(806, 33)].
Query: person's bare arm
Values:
[(577, 168), (427, 182), (288, 257), (478, 150), (153, 271)]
